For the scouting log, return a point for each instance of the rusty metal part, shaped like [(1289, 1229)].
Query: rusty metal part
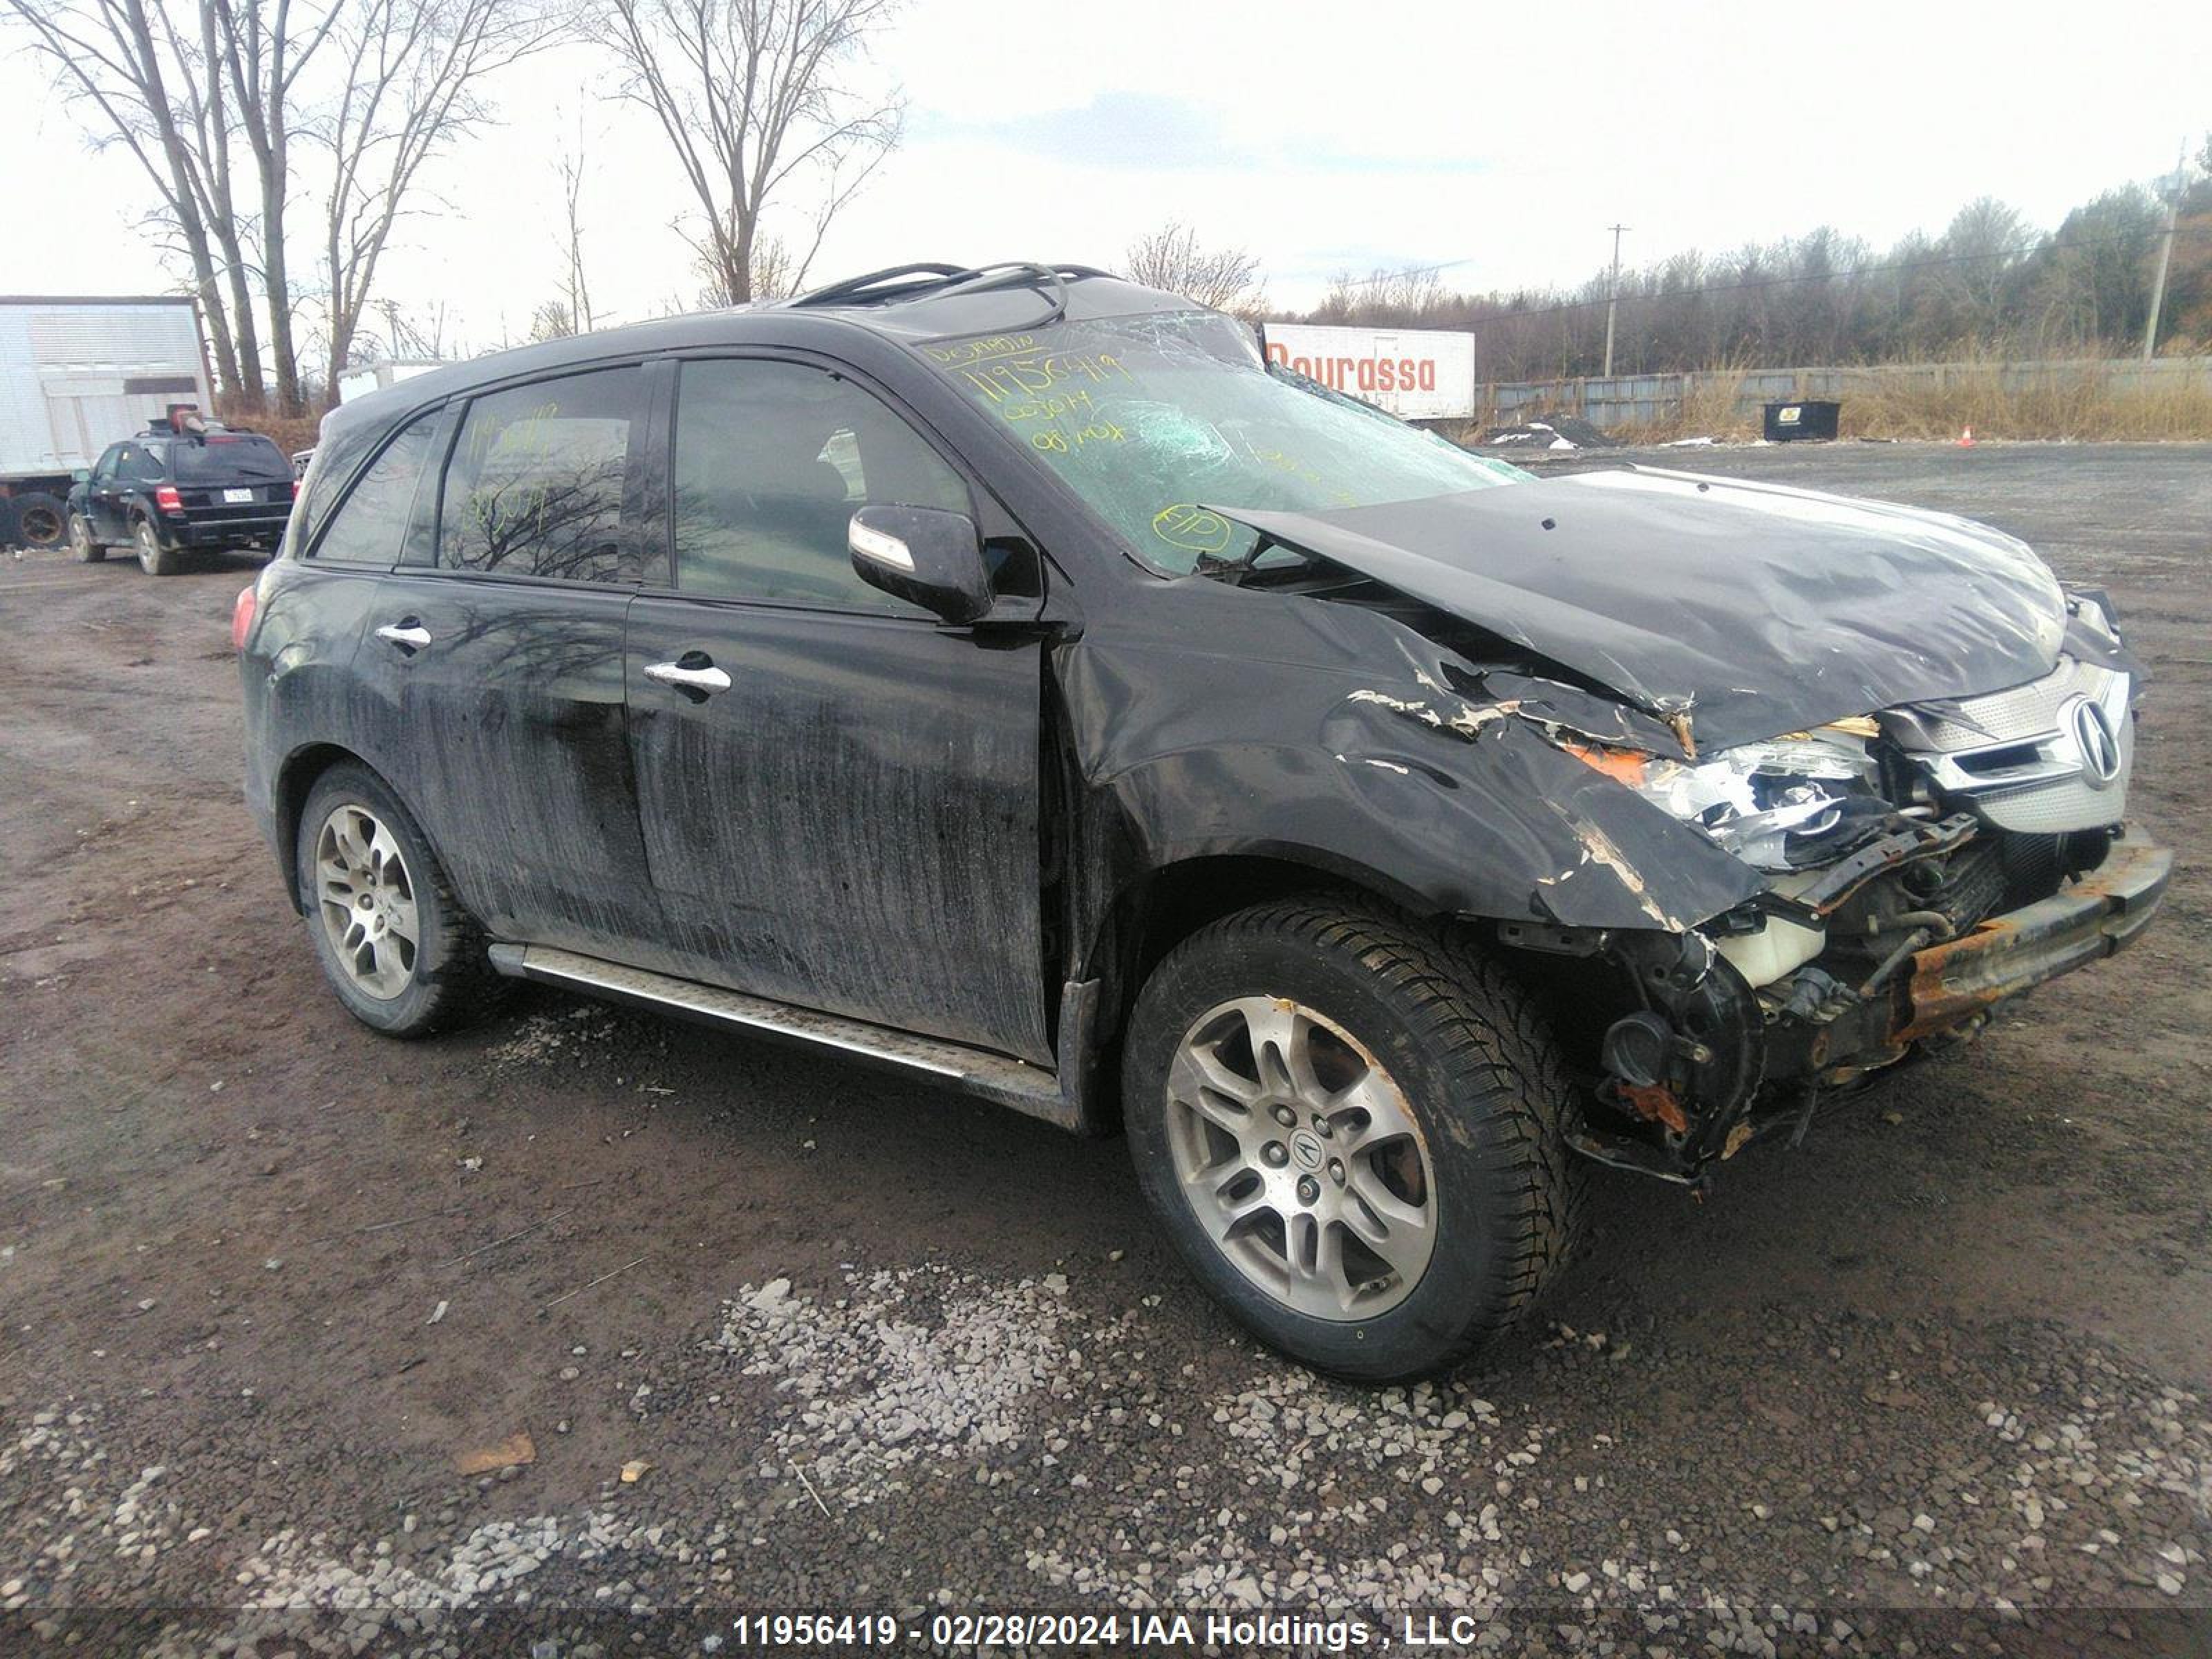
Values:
[(1847, 875), (1954, 982), (1634, 1152), (1656, 1102), (1906, 946)]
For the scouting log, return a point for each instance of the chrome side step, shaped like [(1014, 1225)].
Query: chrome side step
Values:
[(1028, 1089)]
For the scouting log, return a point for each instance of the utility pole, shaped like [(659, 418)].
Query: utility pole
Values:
[(1613, 289), (2180, 182)]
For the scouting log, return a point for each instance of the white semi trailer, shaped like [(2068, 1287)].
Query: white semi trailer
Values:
[(76, 374)]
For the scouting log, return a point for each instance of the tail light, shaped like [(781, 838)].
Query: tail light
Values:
[(166, 498), (241, 615)]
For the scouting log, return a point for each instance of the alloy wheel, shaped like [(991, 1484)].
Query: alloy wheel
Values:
[(366, 901), (149, 547), (1301, 1159)]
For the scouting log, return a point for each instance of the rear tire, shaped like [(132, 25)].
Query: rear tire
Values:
[(87, 551), (155, 559), (395, 945), (1308, 1078)]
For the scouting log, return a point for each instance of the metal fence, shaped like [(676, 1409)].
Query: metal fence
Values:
[(1647, 399)]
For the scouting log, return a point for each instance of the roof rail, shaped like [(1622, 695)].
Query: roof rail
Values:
[(854, 288), (912, 282)]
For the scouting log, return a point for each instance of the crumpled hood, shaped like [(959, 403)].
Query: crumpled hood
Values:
[(1752, 608)]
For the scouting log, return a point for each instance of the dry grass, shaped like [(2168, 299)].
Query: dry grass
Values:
[(290, 434), (2064, 401), (1711, 409), (2077, 401)]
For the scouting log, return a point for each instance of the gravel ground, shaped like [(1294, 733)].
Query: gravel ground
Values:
[(712, 1325)]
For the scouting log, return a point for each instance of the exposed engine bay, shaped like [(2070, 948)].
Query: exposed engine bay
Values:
[(1917, 860), (1887, 840)]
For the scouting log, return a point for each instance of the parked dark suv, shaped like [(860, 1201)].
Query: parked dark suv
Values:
[(1007, 676), (173, 491)]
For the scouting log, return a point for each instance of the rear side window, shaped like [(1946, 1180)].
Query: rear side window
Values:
[(222, 460), (372, 522), (772, 460), (535, 485), (140, 463)]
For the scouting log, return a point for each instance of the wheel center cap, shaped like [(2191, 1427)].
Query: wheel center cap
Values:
[(1306, 1150)]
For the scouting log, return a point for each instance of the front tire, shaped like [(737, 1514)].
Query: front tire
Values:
[(395, 944), (1351, 1125), (155, 559), (81, 543)]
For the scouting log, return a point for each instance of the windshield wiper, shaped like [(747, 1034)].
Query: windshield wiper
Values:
[(1245, 566)]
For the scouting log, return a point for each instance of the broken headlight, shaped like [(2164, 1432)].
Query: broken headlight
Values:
[(1777, 805)]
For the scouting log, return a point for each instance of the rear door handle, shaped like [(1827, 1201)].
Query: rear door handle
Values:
[(703, 678), (410, 635)]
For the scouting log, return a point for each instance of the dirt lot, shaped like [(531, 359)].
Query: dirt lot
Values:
[(1937, 1376)]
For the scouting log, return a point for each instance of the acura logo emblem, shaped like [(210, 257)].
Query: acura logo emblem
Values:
[(2094, 737)]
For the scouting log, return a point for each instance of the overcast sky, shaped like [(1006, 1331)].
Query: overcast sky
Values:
[(1322, 138)]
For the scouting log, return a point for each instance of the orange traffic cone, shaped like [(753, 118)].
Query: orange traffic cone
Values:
[(1966, 438)]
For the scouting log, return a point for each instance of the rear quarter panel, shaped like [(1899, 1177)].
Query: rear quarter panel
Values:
[(296, 676)]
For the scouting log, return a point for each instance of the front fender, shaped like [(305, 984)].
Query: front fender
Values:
[(1450, 804)]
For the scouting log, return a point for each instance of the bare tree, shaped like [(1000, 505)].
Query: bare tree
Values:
[(1226, 278), (575, 290), (778, 272), (264, 56), (407, 335), (381, 86), (410, 84), (553, 320), (748, 94), (1984, 248), (153, 87)]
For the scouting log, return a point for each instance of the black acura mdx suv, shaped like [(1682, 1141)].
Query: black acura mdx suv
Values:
[(1005, 675)]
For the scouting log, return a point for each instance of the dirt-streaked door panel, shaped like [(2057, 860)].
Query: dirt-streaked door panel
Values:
[(851, 825), (502, 713)]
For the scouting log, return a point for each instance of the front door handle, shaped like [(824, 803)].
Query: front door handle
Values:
[(410, 635), (701, 679)]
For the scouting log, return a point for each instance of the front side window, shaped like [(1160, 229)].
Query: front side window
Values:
[(772, 461), (371, 523), (109, 460), (535, 485), (1156, 420)]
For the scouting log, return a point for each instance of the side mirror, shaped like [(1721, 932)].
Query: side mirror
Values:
[(923, 555)]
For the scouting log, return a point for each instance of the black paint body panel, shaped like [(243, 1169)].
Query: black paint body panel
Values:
[(1754, 609), (853, 825), (933, 828), (507, 737)]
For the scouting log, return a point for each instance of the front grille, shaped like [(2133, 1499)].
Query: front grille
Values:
[(2014, 757), (2013, 716)]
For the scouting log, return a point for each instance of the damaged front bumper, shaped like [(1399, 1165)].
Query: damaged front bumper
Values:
[(1953, 984), (1723, 1065)]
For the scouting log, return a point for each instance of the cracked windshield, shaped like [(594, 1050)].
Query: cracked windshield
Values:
[(1159, 421)]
